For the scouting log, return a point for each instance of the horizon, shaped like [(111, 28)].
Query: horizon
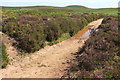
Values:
[(87, 3), (54, 6)]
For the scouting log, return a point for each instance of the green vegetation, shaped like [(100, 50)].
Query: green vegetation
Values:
[(60, 39), (32, 28), (79, 6), (61, 10), (107, 11), (5, 59), (101, 58)]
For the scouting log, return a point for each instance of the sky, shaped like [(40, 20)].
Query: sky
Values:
[(61, 3)]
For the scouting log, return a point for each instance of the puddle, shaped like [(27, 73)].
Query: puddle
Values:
[(87, 34)]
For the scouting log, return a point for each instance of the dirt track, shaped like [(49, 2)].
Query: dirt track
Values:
[(49, 62)]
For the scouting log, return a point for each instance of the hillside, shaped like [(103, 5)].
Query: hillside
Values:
[(71, 8), (100, 56), (78, 6), (49, 62), (38, 41)]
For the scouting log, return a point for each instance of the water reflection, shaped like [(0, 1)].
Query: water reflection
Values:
[(87, 34)]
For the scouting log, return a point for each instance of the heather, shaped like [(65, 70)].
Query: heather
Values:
[(32, 29), (100, 56)]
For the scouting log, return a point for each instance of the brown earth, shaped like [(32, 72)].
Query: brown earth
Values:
[(49, 62)]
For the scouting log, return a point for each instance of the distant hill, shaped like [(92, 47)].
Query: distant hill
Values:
[(76, 6)]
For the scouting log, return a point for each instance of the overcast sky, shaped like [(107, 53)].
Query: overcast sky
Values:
[(62, 3)]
